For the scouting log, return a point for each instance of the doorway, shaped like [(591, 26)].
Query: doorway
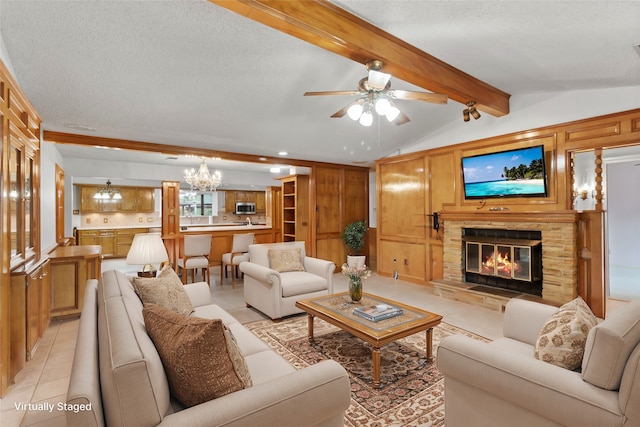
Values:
[(622, 223)]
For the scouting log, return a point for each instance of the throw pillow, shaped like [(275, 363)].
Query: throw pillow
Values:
[(562, 339), (200, 356), (283, 260), (166, 290)]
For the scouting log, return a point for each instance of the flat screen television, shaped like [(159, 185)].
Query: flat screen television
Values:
[(512, 173)]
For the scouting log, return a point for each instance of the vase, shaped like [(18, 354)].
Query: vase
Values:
[(355, 289)]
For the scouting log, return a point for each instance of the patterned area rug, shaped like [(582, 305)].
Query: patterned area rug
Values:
[(411, 392)]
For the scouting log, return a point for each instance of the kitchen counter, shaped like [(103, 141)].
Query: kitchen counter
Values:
[(223, 227), (117, 227)]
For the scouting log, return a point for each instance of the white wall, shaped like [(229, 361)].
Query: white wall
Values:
[(49, 156), (623, 211)]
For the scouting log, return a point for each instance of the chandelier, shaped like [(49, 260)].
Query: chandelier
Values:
[(203, 180), (108, 193)]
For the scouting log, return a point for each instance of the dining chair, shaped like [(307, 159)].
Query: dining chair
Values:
[(239, 253), (195, 255)]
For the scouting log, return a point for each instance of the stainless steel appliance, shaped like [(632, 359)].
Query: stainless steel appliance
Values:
[(245, 208)]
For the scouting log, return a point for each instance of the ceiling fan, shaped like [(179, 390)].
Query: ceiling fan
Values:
[(374, 93)]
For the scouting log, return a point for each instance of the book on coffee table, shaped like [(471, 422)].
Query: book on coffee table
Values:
[(377, 312)]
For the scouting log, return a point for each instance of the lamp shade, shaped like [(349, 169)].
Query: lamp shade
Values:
[(147, 248)]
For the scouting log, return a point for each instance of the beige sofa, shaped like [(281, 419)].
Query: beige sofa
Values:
[(117, 370), (501, 384), (275, 293)]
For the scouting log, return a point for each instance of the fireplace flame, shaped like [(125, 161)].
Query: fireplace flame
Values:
[(501, 260)]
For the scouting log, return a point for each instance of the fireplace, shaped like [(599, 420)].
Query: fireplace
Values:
[(503, 258)]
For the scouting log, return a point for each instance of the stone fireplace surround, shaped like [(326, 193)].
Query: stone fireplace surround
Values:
[(559, 246)]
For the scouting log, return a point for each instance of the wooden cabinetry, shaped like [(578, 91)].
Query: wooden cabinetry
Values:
[(257, 197), (295, 209), (29, 312), (134, 199), (19, 213), (71, 267), (114, 242), (124, 238), (341, 197)]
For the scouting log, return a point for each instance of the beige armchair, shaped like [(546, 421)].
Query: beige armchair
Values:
[(279, 274)]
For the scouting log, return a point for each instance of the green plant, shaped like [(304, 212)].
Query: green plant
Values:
[(353, 236)]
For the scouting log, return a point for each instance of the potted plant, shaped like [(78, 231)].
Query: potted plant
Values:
[(353, 237)]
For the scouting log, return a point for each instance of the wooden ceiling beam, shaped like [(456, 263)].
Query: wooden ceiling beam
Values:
[(326, 25), (174, 150)]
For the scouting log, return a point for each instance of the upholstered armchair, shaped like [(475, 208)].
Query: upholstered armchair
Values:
[(279, 274)]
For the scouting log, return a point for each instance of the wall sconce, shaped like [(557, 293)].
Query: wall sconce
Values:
[(470, 111)]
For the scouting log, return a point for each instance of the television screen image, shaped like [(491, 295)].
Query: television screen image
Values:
[(513, 173)]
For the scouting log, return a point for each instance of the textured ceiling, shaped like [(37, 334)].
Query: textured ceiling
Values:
[(191, 73)]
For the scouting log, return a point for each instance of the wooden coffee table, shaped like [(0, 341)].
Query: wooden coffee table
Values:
[(337, 309)]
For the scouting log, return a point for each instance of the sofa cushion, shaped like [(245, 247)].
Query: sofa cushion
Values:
[(609, 345), (200, 356), (284, 260), (166, 290), (300, 283), (562, 338)]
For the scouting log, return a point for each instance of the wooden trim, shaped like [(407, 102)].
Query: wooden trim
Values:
[(326, 25), (175, 150), (505, 216)]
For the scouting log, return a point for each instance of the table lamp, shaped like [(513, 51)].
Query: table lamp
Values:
[(147, 249)]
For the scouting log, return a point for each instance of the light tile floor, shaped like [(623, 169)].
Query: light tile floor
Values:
[(45, 378)]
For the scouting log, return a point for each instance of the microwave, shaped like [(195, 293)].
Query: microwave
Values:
[(245, 208)]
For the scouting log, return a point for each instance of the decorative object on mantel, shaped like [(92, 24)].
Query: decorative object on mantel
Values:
[(353, 237), (108, 193), (147, 249), (356, 275), (202, 180)]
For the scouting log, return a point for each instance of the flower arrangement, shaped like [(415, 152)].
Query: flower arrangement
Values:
[(356, 273)]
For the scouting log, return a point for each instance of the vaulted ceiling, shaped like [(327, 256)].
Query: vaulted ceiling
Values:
[(195, 74)]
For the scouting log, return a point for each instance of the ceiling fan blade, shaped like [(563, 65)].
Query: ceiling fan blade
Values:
[(437, 98), (343, 111), (401, 119), (337, 92)]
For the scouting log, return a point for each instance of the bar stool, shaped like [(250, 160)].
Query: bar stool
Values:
[(239, 253), (196, 255)]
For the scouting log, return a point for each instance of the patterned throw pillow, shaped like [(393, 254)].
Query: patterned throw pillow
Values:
[(200, 356), (166, 290), (283, 260), (562, 339)]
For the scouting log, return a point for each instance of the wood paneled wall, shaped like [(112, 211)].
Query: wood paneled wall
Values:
[(411, 187)]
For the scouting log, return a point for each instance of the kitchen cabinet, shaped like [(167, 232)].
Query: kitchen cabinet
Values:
[(257, 197), (114, 242), (134, 199), (124, 238)]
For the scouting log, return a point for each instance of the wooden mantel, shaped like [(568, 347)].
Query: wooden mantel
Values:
[(509, 216)]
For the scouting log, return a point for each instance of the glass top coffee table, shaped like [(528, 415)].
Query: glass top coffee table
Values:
[(337, 309)]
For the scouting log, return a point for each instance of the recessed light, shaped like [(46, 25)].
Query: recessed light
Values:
[(262, 159), (282, 153), (274, 170)]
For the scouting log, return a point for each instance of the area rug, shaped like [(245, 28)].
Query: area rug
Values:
[(411, 392)]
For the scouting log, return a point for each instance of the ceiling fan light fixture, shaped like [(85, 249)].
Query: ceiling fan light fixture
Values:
[(355, 111), (392, 113), (366, 119), (470, 111), (378, 80), (382, 106)]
